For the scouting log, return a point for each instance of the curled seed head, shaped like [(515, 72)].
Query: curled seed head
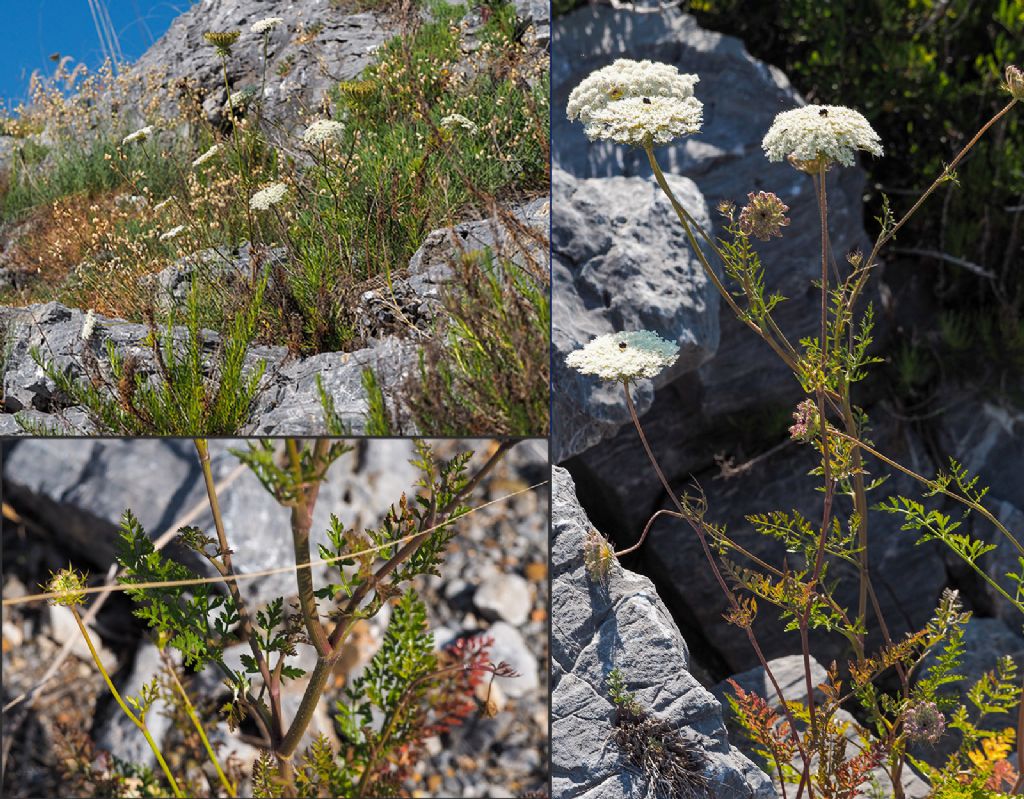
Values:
[(70, 584), (1015, 82)]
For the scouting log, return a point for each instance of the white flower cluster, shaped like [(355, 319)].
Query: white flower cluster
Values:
[(242, 98), (324, 132), (140, 135), (820, 134), (89, 325), (266, 24), (209, 155), (173, 233), (453, 121), (624, 356), (162, 204), (266, 197), (637, 102)]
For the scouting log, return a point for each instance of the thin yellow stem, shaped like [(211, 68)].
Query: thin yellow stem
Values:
[(190, 709), (138, 722)]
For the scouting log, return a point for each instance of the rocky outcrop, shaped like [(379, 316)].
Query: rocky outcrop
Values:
[(318, 44), (728, 370), (288, 401), (393, 320), (622, 624)]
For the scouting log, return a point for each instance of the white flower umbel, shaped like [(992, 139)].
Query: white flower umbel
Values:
[(89, 325), (453, 121), (637, 102), (266, 24), (819, 135), (624, 356), (160, 206), (324, 132), (173, 233), (209, 155), (140, 135), (240, 99), (268, 196)]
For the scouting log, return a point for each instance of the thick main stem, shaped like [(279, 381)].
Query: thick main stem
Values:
[(325, 663), (302, 522)]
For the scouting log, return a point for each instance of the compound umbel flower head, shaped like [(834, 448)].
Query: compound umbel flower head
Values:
[(222, 40), (624, 356), (818, 136), (636, 102)]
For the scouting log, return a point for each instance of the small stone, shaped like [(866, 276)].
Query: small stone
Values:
[(504, 596), (63, 628), (510, 647), (12, 636), (14, 588), (536, 572)]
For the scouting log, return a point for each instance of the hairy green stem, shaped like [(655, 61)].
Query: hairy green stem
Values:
[(136, 720)]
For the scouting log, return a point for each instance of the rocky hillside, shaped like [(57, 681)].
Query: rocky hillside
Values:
[(382, 321)]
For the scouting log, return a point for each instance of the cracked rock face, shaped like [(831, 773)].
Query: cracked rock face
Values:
[(317, 45), (622, 624), (621, 262)]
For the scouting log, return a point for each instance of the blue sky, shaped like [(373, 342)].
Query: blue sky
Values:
[(34, 29)]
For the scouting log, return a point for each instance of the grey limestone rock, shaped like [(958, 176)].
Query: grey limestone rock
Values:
[(622, 624), (317, 45), (621, 262), (56, 332)]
